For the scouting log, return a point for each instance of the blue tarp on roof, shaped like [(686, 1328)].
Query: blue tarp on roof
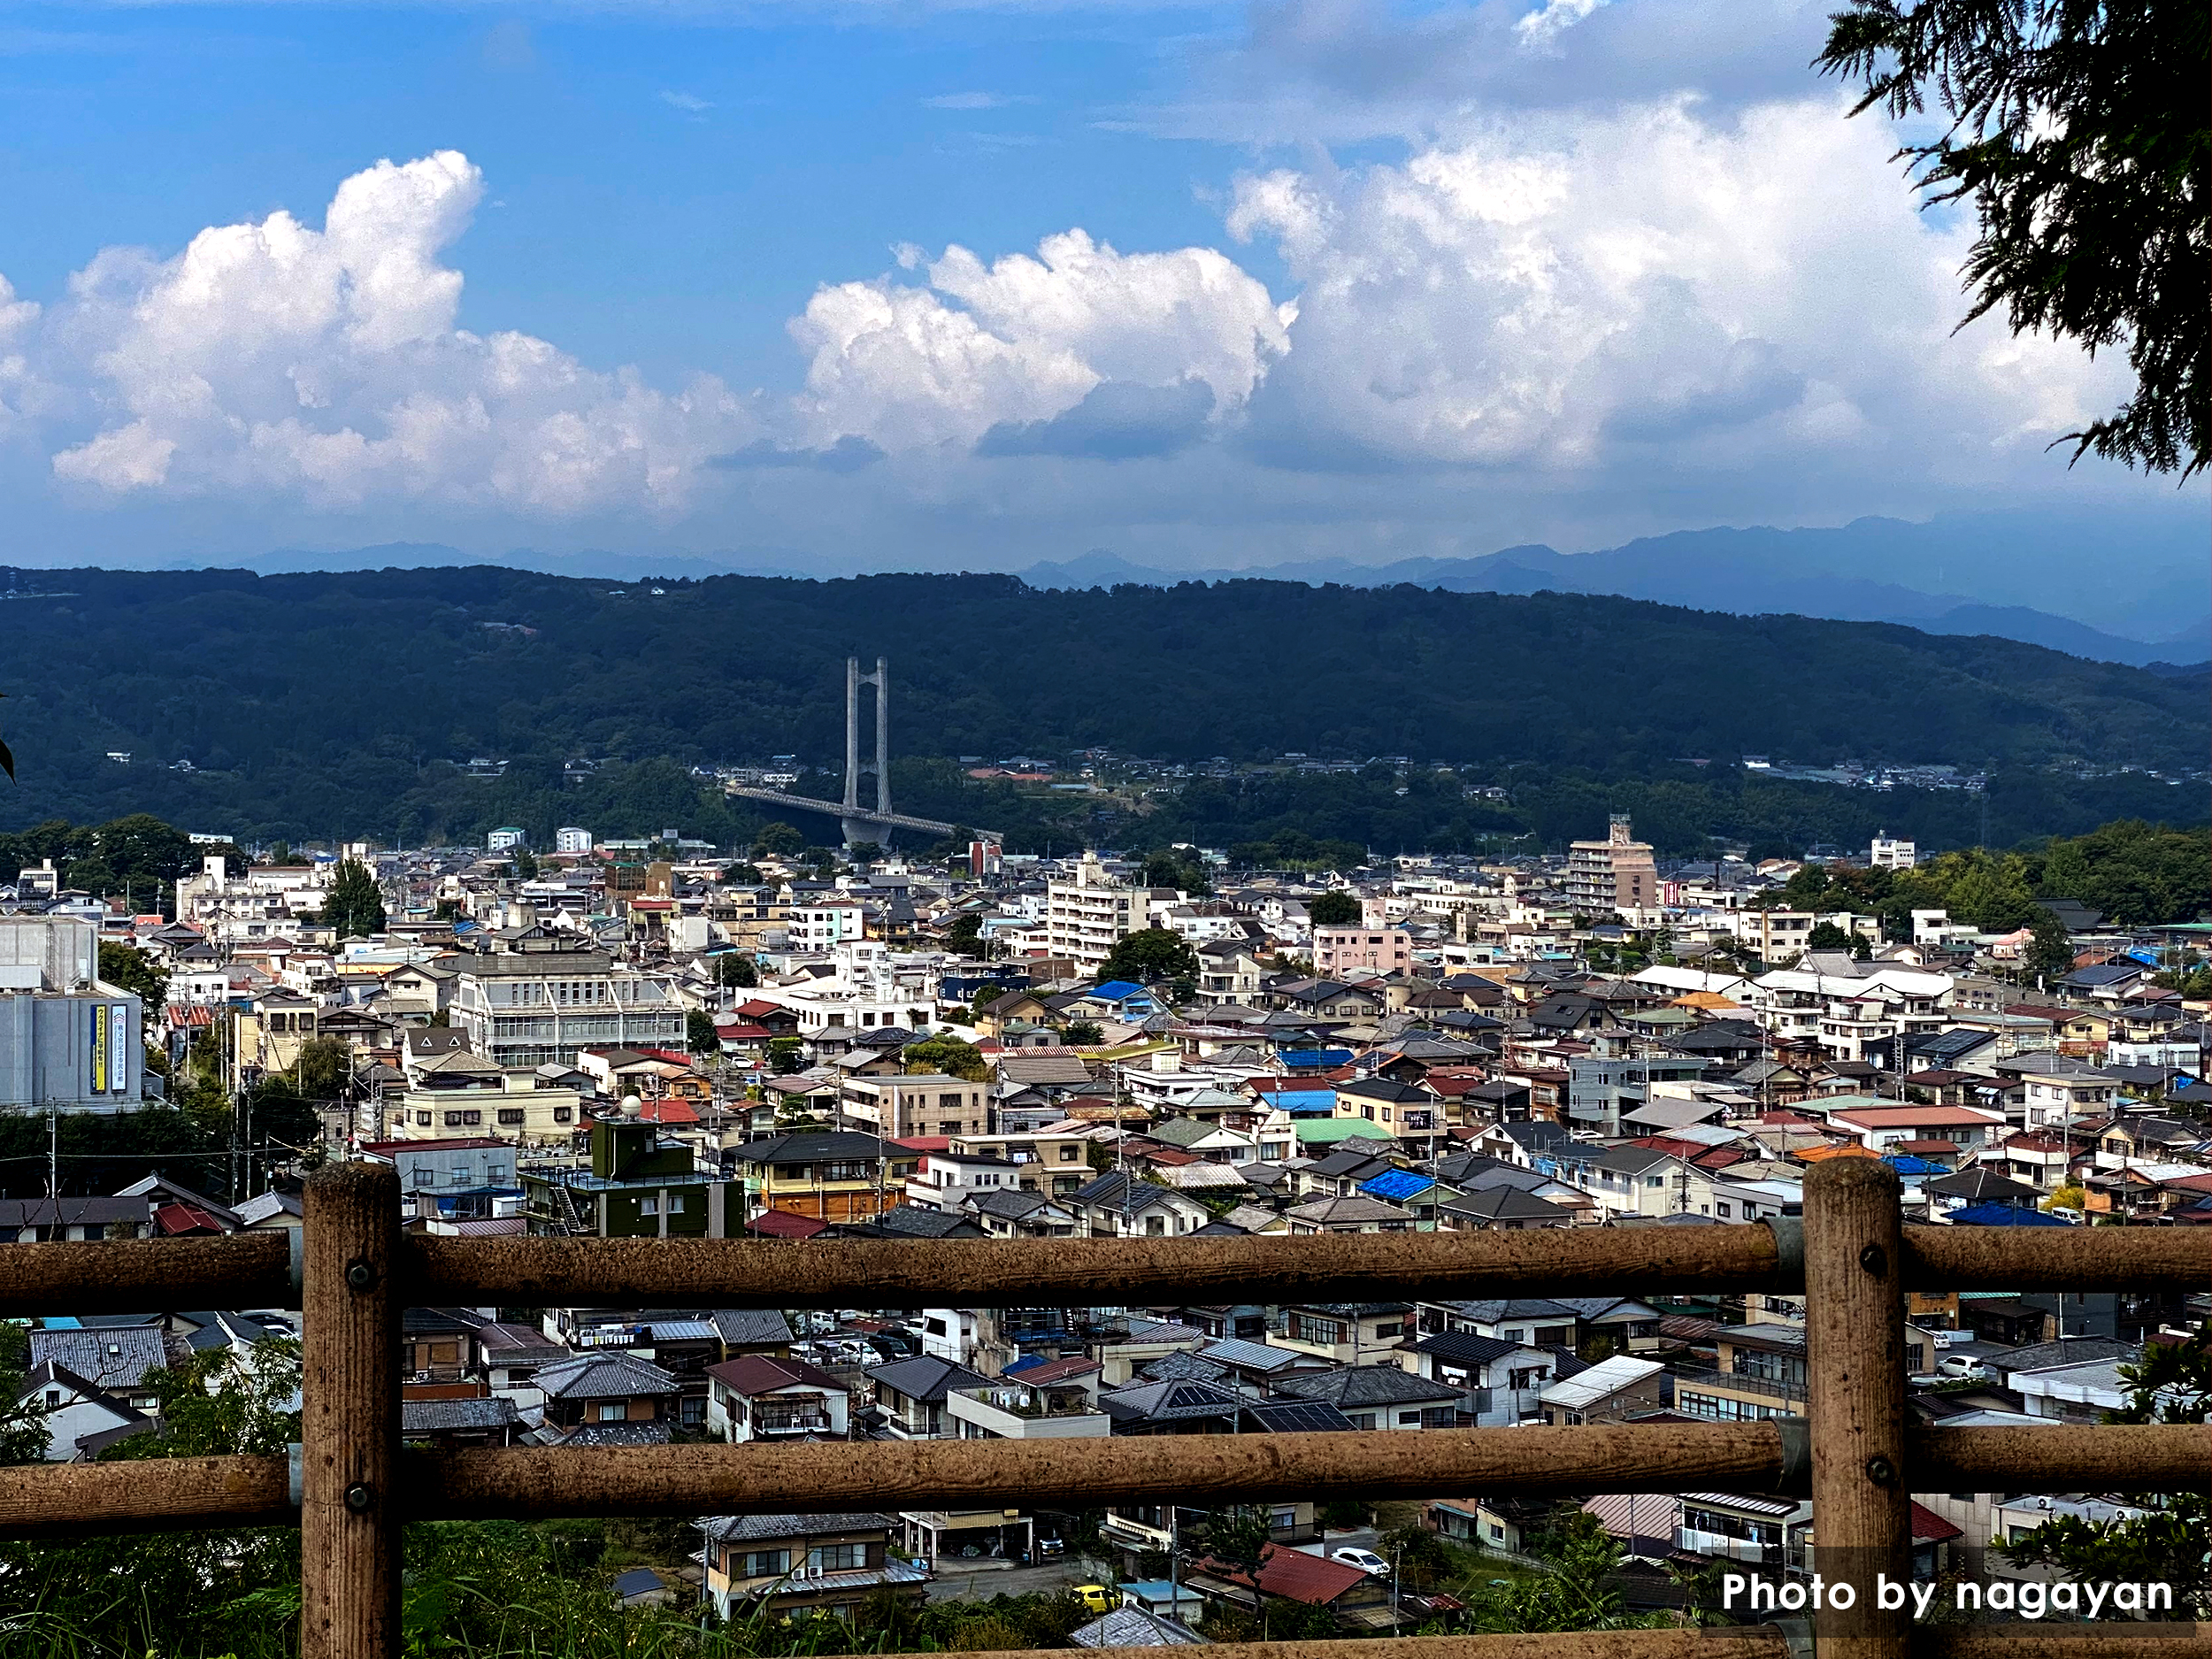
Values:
[(1316, 1058), (1300, 1103), (1397, 1186), (1905, 1164), (1028, 1362), (2004, 1216), (1114, 991)]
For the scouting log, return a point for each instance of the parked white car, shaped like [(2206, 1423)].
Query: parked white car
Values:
[(1366, 1560)]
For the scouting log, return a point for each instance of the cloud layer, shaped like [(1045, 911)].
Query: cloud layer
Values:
[(1568, 318)]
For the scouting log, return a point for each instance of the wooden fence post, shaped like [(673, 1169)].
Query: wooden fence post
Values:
[(1855, 1348), (349, 1544)]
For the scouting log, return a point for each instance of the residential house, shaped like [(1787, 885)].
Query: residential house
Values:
[(78, 1413), (1349, 1333), (758, 1397), (1498, 1382), (898, 1107), (1355, 1600), (909, 1397), (1759, 1372), (481, 1420), (783, 1566), (1378, 1397), (838, 1176), (1117, 1205), (640, 1185), (1610, 1391), (607, 1397)]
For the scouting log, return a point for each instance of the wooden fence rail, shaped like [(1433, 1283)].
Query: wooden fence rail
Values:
[(351, 1271)]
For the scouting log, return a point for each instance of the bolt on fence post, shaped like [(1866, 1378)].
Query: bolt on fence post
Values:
[(1855, 1347), (349, 1543)]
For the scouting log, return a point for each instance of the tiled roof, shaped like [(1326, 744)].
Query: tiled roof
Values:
[(607, 1374)]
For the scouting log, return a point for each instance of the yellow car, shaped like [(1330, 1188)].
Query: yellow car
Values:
[(1095, 1597)]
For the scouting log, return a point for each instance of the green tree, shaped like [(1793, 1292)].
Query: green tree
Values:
[(2171, 1383), (1148, 956), (133, 970), (1237, 1538), (952, 1056), (23, 1431), (965, 935), (525, 865), (784, 1056), (1336, 908), (2078, 132), (1828, 936), (353, 905), (736, 968), (1185, 873), (1422, 1560), (699, 1033), (777, 839), (2051, 952), (1573, 1592), (742, 876), (1084, 1034)]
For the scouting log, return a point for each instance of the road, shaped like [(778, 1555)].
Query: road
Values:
[(981, 1586)]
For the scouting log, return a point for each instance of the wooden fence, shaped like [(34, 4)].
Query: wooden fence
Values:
[(351, 1270)]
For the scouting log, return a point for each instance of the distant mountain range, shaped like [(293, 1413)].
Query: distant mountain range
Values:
[(1846, 575), (2111, 587)]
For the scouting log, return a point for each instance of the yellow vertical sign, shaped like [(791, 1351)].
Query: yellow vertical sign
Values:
[(99, 1048)]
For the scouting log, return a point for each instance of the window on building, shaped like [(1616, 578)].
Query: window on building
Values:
[(610, 1412), (562, 1114), (837, 1557), (510, 1114), (649, 1206)]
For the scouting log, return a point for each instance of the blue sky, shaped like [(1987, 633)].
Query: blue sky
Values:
[(826, 287)]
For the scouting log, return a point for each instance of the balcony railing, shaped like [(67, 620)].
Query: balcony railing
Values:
[(352, 1273), (1744, 1382)]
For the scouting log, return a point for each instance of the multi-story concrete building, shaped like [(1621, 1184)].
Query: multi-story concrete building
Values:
[(1883, 853), (919, 1103), (1385, 949), (68, 1039), (538, 1008), (571, 839), (1616, 874), (1087, 917)]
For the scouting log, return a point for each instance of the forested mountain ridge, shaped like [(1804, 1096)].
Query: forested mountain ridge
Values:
[(323, 700)]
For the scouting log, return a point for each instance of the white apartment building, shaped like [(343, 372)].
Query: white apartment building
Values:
[(819, 929), (254, 904), (540, 1008), (1883, 853), (867, 988), (570, 839), (1089, 916)]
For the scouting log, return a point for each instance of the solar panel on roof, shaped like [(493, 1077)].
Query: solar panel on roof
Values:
[(1300, 1416)]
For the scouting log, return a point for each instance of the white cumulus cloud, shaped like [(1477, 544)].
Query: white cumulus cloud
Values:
[(275, 358), (1024, 338), (1544, 295)]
